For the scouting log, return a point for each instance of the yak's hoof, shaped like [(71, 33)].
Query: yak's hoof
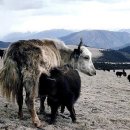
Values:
[(38, 123), (20, 115), (74, 121)]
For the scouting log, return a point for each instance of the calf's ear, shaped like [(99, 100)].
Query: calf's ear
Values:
[(51, 81)]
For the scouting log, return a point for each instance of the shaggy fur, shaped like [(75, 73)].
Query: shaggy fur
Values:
[(25, 60), (23, 63), (62, 88)]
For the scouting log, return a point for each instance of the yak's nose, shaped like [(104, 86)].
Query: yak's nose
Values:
[(95, 72)]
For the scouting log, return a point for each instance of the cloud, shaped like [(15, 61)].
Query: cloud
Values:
[(1, 2), (22, 4), (38, 15)]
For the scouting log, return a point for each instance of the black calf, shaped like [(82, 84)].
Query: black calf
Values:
[(62, 89)]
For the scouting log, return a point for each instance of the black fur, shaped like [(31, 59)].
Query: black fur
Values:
[(124, 73), (1, 53), (119, 73), (128, 77), (63, 89)]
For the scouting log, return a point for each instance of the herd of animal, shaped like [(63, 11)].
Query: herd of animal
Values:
[(46, 69), (120, 73)]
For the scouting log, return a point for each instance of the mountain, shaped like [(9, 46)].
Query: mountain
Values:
[(54, 33), (93, 38), (123, 46), (125, 49), (113, 56), (4, 44), (106, 55), (125, 30), (98, 38)]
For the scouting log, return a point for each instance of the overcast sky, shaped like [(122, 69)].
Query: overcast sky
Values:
[(38, 15)]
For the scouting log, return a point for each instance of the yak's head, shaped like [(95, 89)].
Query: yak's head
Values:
[(81, 59)]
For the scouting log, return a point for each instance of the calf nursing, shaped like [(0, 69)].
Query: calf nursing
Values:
[(25, 60), (62, 88)]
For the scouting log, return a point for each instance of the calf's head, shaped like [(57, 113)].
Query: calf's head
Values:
[(46, 85)]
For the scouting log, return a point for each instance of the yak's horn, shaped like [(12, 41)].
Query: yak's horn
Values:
[(80, 44)]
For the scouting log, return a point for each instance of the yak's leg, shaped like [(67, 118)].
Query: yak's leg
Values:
[(42, 107), (19, 98), (30, 99), (72, 112), (62, 108)]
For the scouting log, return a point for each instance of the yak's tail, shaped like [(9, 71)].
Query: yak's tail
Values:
[(9, 79)]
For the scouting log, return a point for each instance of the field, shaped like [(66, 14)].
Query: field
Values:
[(104, 104)]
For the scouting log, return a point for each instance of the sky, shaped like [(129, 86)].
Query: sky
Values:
[(40, 15)]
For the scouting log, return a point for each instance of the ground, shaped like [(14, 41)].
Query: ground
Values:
[(104, 104)]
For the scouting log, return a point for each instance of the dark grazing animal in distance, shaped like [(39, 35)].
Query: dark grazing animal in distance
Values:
[(124, 73), (128, 77), (119, 74), (62, 88)]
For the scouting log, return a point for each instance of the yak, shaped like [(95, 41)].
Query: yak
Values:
[(128, 77), (119, 73), (25, 60)]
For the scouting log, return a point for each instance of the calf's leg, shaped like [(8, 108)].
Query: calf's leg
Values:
[(42, 107), (54, 110), (72, 112)]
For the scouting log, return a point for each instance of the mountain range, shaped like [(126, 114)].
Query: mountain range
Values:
[(99, 38), (93, 38), (54, 33), (125, 49), (4, 44)]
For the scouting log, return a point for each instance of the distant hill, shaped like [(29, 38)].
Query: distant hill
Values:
[(4, 44), (54, 33), (98, 38), (106, 55), (124, 30), (113, 56), (93, 38), (110, 59), (123, 46), (125, 49)]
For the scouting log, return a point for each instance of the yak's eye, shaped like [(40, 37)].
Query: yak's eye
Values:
[(86, 57)]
